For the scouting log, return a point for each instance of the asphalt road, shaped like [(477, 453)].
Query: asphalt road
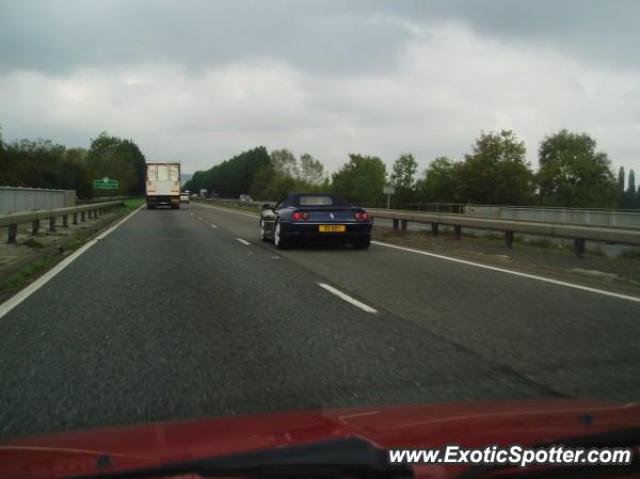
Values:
[(171, 316)]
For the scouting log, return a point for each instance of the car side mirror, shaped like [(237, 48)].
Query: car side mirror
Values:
[(266, 206)]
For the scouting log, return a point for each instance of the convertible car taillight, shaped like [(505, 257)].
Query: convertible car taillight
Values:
[(300, 215), (362, 216)]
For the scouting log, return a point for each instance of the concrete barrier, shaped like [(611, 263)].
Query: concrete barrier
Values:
[(16, 199), (592, 217)]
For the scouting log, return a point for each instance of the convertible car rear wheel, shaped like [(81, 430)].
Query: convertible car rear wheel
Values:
[(278, 240)]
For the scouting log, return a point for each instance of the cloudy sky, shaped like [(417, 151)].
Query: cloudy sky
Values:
[(200, 81)]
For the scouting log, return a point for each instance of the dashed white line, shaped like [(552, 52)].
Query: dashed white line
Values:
[(18, 298), (229, 210), (348, 298), (515, 273), (244, 242), (213, 226)]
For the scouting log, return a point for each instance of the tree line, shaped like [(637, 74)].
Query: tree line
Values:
[(43, 164), (571, 173)]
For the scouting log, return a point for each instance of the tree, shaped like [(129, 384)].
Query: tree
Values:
[(572, 173), (631, 188), (119, 159), (439, 181), (247, 172), (496, 172), (284, 174), (311, 171), (361, 179), (403, 178), (285, 163), (620, 188), (621, 179), (631, 196)]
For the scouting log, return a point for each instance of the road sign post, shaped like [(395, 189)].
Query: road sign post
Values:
[(388, 190)]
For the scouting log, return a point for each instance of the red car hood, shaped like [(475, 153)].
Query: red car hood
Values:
[(465, 424)]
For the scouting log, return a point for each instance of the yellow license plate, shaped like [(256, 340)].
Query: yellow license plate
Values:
[(332, 228)]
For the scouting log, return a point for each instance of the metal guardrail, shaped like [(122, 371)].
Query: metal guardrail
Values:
[(579, 233), (103, 199), (93, 210)]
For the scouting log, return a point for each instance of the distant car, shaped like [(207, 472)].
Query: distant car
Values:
[(314, 216), (184, 197), (245, 199)]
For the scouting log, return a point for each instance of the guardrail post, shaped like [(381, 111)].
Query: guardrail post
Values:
[(395, 225), (508, 239), (579, 247), (75, 219), (13, 233), (35, 227), (434, 229), (403, 225), (457, 232), (65, 221), (52, 223), (83, 216)]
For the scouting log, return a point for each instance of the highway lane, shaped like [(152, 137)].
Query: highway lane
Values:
[(171, 316), (573, 342)]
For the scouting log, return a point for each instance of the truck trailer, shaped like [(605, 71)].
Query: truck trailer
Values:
[(163, 184)]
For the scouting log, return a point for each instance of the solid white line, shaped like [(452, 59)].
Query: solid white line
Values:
[(515, 273), (19, 297), (348, 298), (243, 241), (228, 210)]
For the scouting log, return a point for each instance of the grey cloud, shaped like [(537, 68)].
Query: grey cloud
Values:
[(323, 36), (61, 35)]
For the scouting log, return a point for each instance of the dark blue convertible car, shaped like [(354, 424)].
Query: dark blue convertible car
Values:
[(314, 216)]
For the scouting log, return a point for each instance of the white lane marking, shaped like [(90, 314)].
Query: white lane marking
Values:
[(243, 242), (515, 273), (199, 217), (348, 298), (213, 226), (229, 210), (23, 294)]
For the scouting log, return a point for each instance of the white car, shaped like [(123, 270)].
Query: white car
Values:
[(184, 198)]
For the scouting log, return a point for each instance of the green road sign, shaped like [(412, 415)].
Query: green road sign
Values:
[(106, 184)]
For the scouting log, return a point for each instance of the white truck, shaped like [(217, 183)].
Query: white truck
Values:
[(163, 184)]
